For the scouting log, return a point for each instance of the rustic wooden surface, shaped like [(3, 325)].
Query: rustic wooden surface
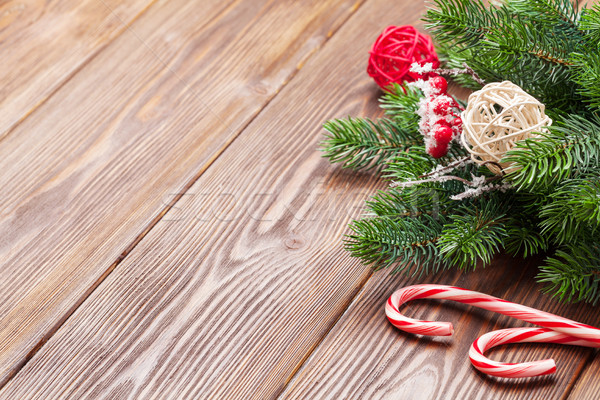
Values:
[(588, 384), (43, 43), (92, 170), (169, 228)]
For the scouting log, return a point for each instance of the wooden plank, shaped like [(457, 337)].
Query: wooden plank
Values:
[(43, 43), (364, 356), (86, 175), (587, 385), (230, 292)]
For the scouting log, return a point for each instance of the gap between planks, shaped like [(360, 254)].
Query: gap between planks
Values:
[(127, 27)]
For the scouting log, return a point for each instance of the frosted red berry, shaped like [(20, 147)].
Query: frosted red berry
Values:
[(439, 84), (442, 107), (443, 122), (457, 122), (438, 151), (443, 135), (457, 125)]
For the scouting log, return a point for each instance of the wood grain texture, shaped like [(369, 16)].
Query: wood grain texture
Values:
[(42, 43), (231, 291), (365, 357), (587, 386), (92, 169)]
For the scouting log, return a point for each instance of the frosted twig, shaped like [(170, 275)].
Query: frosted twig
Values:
[(477, 191), (473, 188), (476, 182), (421, 69), (443, 178), (442, 170), (456, 71)]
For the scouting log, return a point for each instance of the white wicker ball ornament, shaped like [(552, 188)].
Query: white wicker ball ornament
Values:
[(496, 117)]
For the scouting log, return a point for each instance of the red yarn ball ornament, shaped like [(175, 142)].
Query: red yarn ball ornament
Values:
[(395, 50)]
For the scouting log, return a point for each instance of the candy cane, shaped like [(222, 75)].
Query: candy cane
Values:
[(557, 329), (519, 335)]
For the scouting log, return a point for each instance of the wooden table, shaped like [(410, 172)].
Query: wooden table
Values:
[(168, 228)]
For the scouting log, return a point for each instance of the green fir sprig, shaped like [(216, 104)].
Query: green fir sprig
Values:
[(451, 212)]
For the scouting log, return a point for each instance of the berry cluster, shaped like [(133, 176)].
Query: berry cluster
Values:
[(440, 119)]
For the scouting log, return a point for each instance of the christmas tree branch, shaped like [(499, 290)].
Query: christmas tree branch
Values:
[(473, 234), (405, 244), (573, 272), (570, 147), (363, 144)]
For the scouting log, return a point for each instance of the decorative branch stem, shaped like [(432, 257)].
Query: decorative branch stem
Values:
[(450, 166), (442, 178), (456, 71)]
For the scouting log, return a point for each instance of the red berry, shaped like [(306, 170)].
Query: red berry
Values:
[(441, 107), (438, 84), (438, 151), (457, 125), (443, 122), (443, 135)]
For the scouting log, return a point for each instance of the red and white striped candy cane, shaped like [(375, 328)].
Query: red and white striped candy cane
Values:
[(519, 335), (558, 329)]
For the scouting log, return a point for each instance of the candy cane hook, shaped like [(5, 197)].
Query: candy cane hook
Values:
[(519, 335), (557, 329)]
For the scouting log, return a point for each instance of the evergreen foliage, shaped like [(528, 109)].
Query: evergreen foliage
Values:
[(473, 234), (402, 243), (571, 147), (551, 48), (363, 144)]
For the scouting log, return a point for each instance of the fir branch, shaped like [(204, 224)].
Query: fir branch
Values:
[(406, 244), (523, 39), (473, 234), (519, 42), (536, 59), (461, 22), (552, 51), (362, 144), (523, 236), (573, 272), (588, 75), (431, 200), (416, 163), (570, 148), (573, 207), (454, 57), (412, 163), (590, 24), (551, 13), (401, 104)]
